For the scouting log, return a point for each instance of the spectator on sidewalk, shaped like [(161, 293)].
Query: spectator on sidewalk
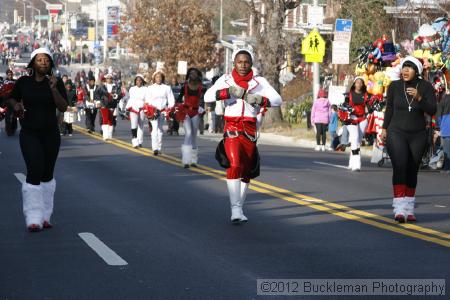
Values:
[(443, 118), (333, 127), (320, 117)]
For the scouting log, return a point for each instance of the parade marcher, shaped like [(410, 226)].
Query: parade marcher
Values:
[(408, 99), (35, 98), (159, 96), (320, 117), (80, 100), (191, 95), (108, 106), (244, 96), (135, 105), (94, 94), (69, 114), (358, 99)]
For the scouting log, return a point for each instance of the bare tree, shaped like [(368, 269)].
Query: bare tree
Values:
[(171, 31), (268, 18)]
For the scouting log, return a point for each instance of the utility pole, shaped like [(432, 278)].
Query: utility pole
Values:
[(221, 20), (316, 69)]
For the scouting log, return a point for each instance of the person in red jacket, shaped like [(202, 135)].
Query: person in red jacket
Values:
[(358, 99)]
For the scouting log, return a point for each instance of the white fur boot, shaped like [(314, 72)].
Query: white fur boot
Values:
[(194, 157), (350, 161), (33, 205), (48, 193), (105, 132), (234, 191), (186, 155), (399, 204), (244, 187), (134, 142), (409, 208), (110, 131), (356, 165)]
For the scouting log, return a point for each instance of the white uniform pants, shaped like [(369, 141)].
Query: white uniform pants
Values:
[(137, 122), (157, 133), (190, 130), (211, 121), (356, 134)]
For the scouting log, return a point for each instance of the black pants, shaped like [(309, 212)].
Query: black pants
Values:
[(90, 119), (406, 151), (67, 128), (321, 133), (40, 151)]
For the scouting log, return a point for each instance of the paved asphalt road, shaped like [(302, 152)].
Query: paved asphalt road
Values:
[(308, 218)]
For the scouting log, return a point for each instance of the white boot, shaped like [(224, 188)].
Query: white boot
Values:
[(234, 191), (350, 161), (33, 204), (105, 131), (409, 208), (186, 155), (399, 204), (110, 131), (243, 194), (194, 157), (134, 142), (48, 193), (356, 165)]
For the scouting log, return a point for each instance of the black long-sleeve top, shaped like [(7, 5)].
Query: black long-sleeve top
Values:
[(398, 117), (37, 99)]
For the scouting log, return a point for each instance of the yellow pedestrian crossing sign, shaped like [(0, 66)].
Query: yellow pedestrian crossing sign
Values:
[(313, 44)]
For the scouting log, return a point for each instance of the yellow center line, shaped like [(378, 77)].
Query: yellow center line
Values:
[(304, 200)]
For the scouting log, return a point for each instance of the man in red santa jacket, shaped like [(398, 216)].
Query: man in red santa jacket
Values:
[(245, 96)]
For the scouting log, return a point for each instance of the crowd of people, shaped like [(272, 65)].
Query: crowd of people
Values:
[(239, 100)]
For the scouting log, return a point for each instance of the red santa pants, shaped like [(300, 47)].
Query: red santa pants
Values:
[(107, 116), (240, 152)]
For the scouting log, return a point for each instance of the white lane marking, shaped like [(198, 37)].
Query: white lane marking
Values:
[(108, 255), (21, 177), (440, 206), (327, 164)]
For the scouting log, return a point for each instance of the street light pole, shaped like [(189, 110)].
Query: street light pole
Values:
[(316, 69), (221, 20)]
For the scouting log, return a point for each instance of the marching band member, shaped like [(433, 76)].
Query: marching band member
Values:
[(108, 106), (191, 95), (159, 96), (358, 99), (94, 93), (244, 95), (134, 106), (35, 98), (408, 100)]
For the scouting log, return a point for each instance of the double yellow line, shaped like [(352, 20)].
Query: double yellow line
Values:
[(346, 212)]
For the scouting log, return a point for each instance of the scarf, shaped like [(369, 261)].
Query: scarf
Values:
[(242, 81)]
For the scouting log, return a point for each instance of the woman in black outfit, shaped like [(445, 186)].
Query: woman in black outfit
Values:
[(408, 100), (36, 98)]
